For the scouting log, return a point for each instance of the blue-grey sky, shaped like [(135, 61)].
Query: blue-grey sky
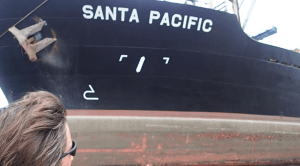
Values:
[(3, 100), (283, 14)]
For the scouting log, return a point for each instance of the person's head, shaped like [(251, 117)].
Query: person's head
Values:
[(34, 132)]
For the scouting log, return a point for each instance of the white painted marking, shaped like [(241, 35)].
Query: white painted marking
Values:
[(90, 91), (122, 56), (3, 99), (140, 65), (166, 59)]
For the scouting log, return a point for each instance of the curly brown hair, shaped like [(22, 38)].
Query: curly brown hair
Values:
[(33, 131)]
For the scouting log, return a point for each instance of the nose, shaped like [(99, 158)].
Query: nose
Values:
[(72, 158)]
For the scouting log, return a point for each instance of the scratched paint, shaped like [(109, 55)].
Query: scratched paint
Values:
[(163, 154), (129, 141), (247, 137), (159, 146)]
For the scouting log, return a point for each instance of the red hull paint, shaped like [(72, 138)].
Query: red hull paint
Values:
[(165, 144)]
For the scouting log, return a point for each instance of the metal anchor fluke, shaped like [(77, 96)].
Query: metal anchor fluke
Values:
[(30, 46)]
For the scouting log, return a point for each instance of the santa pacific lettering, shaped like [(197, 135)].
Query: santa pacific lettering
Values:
[(110, 13), (155, 17), (178, 21)]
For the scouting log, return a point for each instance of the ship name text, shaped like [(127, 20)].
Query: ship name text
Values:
[(155, 17)]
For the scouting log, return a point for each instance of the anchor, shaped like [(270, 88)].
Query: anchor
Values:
[(30, 45)]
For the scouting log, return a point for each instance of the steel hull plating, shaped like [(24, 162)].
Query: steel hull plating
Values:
[(219, 71)]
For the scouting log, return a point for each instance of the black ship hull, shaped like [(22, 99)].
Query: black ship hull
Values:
[(222, 70)]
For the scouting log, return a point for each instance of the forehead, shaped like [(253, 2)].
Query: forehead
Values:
[(69, 139)]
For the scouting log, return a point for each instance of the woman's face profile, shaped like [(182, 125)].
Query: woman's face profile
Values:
[(67, 161)]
